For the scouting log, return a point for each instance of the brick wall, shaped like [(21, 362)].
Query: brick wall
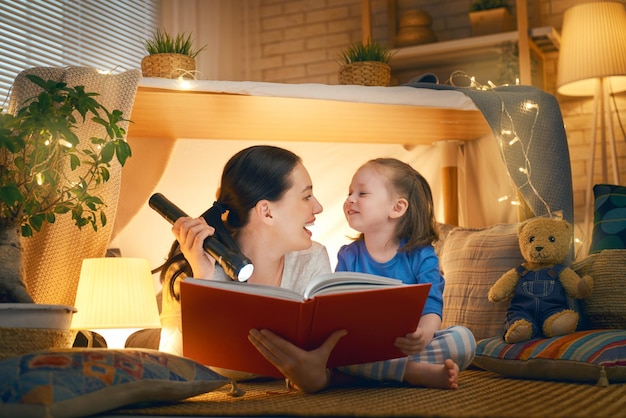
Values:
[(297, 41)]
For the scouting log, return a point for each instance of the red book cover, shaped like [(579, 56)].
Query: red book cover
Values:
[(217, 317)]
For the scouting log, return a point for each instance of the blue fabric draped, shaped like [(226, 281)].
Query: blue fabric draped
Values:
[(540, 148)]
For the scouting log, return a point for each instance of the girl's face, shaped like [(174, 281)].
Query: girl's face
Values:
[(295, 211), (369, 202)]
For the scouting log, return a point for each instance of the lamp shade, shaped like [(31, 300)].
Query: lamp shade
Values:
[(593, 45), (115, 293)]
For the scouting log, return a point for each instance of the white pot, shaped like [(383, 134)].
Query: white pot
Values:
[(36, 315)]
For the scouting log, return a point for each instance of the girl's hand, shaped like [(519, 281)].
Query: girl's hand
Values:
[(305, 369), (413, 343), (190, 234), (416, 341)]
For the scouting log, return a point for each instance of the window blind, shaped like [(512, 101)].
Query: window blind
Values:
[(105, 34)]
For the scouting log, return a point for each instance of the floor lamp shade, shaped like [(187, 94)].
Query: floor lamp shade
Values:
[(592, 62), (115, 293), (593, 45)]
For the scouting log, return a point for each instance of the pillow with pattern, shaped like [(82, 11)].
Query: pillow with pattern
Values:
[(81, 382), (594, 356), (609, 219), (471, 260)]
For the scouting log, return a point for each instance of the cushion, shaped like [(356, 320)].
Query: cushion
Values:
[(471, 262), (606, 306), (609, 220), (585, 356), (81, 382)]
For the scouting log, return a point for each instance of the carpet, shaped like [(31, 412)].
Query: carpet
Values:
[(481, 394)]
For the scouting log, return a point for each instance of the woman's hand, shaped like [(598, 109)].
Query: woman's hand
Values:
[(190, 234), (305, 369)]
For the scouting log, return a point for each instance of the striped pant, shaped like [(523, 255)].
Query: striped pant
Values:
[(456, 343)]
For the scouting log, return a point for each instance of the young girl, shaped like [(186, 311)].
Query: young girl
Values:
[(391, 205)]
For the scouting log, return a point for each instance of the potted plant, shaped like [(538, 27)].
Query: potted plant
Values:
[(365, 64), (490, 16), (47, 172), (170, 56)]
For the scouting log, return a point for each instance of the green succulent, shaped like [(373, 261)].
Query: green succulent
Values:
[(370, 51), (164, 43), (479, 5)]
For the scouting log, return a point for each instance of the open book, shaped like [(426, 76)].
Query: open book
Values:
[(217, 317)]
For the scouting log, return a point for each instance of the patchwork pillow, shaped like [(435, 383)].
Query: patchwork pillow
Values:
[(606, 306), (584, 356), (609, 223), (81, 382), (471, 262)]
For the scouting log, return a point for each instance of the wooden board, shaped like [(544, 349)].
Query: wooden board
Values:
[(175, 114)]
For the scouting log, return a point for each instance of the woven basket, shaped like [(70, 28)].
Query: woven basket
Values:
[(606, 307), (17, 341), (365, 73), (168, 66)]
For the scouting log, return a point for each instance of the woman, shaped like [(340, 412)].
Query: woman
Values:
[(266, 203)]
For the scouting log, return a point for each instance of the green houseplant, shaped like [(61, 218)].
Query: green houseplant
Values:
[(365, 63), (490, 16), (169, 56), (478, 5), (38, 148)]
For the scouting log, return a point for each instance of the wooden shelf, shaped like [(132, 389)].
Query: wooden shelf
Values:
[(171, 114), (545, 39)]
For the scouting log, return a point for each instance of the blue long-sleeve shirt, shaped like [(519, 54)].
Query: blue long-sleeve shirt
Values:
[(420, 265)]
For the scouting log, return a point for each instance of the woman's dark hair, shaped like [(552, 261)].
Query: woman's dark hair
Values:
[(260, 172)]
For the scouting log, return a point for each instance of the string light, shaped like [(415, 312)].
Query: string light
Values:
[(508, 137)]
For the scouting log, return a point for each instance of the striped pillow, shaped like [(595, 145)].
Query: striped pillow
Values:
[(597, 356), (471, 262)]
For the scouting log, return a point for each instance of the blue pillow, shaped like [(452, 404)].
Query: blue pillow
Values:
[(609, 223), (81, 382)]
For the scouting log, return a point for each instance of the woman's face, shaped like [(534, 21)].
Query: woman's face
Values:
[(295, 211)]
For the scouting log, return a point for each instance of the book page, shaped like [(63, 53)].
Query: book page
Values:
[(346, 281), (255, 289)]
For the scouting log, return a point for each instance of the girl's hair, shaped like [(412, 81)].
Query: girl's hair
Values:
[(260, 172), (418, 225)]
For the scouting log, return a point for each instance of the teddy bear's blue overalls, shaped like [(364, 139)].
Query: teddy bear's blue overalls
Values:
[(538, 295)]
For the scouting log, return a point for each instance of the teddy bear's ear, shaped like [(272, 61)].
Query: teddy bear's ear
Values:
[(522, 225)]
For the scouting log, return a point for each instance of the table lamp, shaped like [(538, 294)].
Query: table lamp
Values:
[(592, 62), (115, 298)]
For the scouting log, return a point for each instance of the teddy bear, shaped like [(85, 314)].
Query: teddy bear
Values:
[(540, 286)]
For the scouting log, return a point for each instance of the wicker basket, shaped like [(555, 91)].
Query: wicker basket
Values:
[(365, 73), (17, 341), (168, 66)]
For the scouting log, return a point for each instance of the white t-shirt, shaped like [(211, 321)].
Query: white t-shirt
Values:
[(300, 267)]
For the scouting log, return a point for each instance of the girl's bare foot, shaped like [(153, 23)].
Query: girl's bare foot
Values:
[(436, 376)]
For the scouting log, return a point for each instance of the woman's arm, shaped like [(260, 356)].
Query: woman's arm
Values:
[(305, 369), (190, 234)]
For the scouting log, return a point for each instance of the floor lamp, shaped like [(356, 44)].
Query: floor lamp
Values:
[(592, 62)]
